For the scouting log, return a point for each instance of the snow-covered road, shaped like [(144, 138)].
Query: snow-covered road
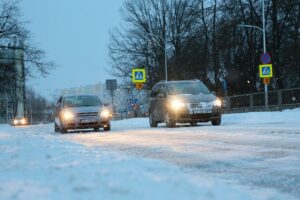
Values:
[(250, 156)]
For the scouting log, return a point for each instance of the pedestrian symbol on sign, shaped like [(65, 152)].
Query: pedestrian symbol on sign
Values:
[(265, 71), (138, 76)]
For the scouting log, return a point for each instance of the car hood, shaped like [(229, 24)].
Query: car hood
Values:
[(84, 109), (190, 98)]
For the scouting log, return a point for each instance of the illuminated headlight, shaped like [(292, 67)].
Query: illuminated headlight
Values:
[(177, 104), (67, 115), (23, 121), (217, 103), (105, 114)]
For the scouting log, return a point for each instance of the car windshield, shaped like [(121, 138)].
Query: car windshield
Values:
[(78, 101), (187, 88)]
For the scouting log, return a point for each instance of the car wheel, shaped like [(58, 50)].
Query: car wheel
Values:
[(169, 122), (107, 128), (193, 123), (151, 120), (216, 122), (63, 130), (56, 128), (96, 129)]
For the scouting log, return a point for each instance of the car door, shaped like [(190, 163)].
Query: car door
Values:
[(153, 101), (57, 111), (160, 102)]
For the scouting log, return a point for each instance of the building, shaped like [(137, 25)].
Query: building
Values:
[(12, 82)]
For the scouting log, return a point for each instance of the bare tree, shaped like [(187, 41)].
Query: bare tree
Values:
[(14, 35), (204, 41)]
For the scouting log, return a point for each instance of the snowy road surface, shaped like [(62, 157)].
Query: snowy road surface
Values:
[(250, 156)]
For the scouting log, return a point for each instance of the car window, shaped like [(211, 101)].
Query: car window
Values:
[(162, 90), (187, 88), (76, 101), (155, 90)]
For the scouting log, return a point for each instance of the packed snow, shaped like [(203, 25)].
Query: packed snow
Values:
[(250, 156)]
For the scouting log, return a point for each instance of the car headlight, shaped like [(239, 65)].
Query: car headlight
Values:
[(177, 104), (23, 121), (67, 115), (217, 103), (105, 114)]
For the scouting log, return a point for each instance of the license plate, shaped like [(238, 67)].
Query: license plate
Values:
[(88, 120), (200, 111)]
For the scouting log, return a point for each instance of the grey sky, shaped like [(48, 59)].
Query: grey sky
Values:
[(75, 35)]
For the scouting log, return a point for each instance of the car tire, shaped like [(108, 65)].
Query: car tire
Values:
[(107, 128), (63, 130), (216, 122), (193, 123), (56, 128), (151, 120), (96, 129), (169, 122)]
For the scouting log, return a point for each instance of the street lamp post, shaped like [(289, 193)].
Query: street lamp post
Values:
[(6, 96), (30, 108), (263, 29)]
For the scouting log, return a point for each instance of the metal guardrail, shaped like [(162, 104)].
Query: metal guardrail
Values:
[(277, 100)]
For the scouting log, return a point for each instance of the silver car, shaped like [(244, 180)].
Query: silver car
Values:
[(81, 112), (184, 102)]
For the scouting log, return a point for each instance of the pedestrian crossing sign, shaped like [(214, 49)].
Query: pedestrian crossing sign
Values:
[(265, 71), (138, 76)]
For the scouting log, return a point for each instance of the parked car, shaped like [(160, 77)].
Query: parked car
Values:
[(187, 101), (81, 112)]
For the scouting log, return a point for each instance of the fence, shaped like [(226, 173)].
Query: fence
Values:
[(277, 100)]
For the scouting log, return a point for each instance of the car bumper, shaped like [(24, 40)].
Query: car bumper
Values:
[(186, 117), (83, 123)]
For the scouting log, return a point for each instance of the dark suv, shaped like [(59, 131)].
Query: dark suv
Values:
[(81, 112), (186, 101)]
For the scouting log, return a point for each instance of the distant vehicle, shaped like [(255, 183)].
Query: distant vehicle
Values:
[(187, 101), (19, 121), (81, 112)]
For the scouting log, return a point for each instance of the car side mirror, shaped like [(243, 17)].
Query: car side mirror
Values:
[(58, 105), (160, 95)]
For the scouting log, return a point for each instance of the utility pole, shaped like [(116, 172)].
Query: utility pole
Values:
[(166, 59), (265, 49), (263, 29), (30, 107), (6, 107)]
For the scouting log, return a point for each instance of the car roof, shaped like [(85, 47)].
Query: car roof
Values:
[(79, 95), (180, 81)]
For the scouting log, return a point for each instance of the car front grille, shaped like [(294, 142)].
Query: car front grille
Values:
[(195, 105), (87, 114)]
